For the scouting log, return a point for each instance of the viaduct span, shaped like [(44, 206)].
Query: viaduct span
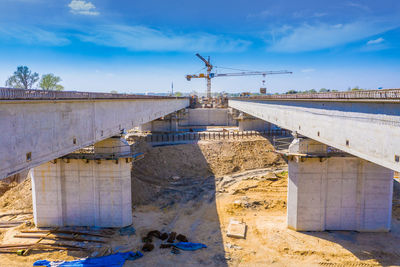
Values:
[(39, 130), (329, 189), (39, 126)]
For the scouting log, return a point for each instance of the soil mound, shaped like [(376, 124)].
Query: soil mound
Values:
[(17, 197), (185, 164)]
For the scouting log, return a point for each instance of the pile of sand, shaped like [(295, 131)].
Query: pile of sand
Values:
[(4, 187), (17, 197), (187, 162)]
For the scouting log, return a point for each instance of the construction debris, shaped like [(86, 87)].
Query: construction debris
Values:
[(56, 231), (148, 247), (236, 229), (171, 237), (128, 230), (58, 237), (181, 238)]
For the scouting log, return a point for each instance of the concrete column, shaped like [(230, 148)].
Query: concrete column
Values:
[(336, 193), (81, 192)]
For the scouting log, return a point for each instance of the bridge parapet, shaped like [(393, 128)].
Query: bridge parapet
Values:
[(23, 94), (386, 95)]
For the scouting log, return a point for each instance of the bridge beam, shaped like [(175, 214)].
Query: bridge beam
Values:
[(365, 128), (336, 193), (39, 126)]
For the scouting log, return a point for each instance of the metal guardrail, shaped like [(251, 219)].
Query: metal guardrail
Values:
[(196, 136), (23, 94), (389, 94)]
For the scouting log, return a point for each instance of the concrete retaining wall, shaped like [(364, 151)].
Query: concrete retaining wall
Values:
[(254, 125), (208, 117), (160, 126)]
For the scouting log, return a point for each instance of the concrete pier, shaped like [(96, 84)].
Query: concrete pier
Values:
[(85, 192), (329, 192)]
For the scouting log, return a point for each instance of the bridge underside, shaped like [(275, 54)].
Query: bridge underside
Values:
[(369, 130), (331, 192)]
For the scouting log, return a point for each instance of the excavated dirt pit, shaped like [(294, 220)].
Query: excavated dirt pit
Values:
[(196, 190)]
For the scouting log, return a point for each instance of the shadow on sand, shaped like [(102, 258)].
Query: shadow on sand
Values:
[(173, 189)]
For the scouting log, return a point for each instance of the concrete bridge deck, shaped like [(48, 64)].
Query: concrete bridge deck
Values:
[(39, 126), (363, 123)]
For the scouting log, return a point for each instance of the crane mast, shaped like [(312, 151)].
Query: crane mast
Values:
[(209, 75)]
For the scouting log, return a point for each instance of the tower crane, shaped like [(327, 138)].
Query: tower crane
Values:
[(209, 75)]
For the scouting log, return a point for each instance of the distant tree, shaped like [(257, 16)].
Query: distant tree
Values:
[(356, 88), (178, 94), (324, 90), (292, 92), (311, 91), (49, 82), (22, 78), (113, 92)]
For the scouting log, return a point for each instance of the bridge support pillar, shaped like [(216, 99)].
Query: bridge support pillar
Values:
[(79, 191), (331, 192)]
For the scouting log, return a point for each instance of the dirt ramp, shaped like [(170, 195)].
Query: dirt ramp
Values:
[(166, 166)]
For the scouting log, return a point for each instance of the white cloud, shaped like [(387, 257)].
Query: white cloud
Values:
[(319, 14), (307, 70), (320, 36), (263, 14), (376, 41), (31, 35), (140, 38), (83, 8), (359, 6)]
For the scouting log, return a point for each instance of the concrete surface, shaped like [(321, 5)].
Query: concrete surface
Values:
[(36, 131), (113, 145), (236, 229), (337, 193), (367, 129), (207, 117), (169, 125), (254, 125), (78, 193)]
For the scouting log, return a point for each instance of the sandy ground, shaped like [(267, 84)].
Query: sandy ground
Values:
[(196, 190)]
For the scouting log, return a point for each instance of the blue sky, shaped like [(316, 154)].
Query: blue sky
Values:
[(142, 46)]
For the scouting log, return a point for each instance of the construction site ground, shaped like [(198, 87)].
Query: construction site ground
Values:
[(196, 190)]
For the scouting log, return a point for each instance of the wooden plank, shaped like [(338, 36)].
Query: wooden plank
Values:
[(65, 232), (59, 238)]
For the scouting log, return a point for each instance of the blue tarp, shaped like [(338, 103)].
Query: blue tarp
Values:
[(189, 246), (114, 260)]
